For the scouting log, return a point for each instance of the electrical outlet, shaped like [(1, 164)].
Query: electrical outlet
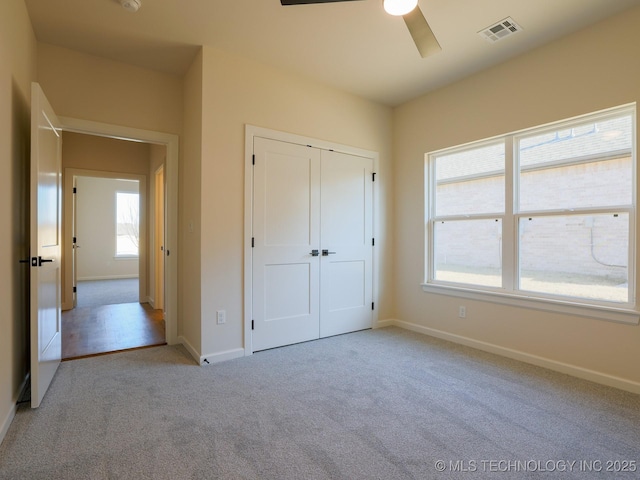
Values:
[(462, 312), (221, 317)]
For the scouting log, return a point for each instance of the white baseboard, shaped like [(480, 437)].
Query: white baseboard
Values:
[(6, 422), (106, 277), (573, 370), (212, 357), (221, 356), (192, 351), (384, 323)]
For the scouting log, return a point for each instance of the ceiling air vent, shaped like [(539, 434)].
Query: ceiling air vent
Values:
[(500, 30)]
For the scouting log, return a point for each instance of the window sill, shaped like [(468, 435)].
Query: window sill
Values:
[(611, 314), (126, 257)]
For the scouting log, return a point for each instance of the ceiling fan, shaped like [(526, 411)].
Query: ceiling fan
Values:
[(419, 29)]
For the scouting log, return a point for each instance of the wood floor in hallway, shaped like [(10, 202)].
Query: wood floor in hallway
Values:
[(102, 329)]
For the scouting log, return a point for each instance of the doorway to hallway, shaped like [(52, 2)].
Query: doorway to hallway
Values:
[(168, 143), (109, 234)]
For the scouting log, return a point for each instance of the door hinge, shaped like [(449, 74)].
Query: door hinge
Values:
[(75, 190), (373, 306), (373, 177), (253, 159), (75, 289), (74, 240), (373, 242), (253, 326), (253, 242)]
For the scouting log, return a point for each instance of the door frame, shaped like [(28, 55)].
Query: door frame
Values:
[(69, 261), (171, 142), (251, 132), (157, 234)]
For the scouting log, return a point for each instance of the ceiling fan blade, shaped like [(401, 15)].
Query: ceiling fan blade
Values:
[(305, 2), (421, 33)]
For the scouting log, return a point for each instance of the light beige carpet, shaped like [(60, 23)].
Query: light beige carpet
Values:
[(383, 404)]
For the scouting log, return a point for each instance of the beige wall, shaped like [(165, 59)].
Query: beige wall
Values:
[(93, 88), (189, 267), (17, 71), (90, 152), (591, 70), (236, 92), (157, 157)]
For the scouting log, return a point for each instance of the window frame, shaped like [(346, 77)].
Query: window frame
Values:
[(510, 293)]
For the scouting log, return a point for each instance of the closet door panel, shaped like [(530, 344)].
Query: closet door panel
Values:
[(285, 231), (346, 226)]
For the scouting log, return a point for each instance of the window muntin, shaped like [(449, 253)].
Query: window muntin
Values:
[(127, 224), (571, 198)]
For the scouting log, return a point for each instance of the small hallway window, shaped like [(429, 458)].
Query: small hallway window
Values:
[(127, 224)]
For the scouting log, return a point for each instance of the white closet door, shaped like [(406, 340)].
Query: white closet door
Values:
[(346, 235), (286, 223)]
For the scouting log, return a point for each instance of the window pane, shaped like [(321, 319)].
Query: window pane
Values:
[(128, 220), (469, 251), (583, 256), (470, 182), (594, 184), (577, 167)]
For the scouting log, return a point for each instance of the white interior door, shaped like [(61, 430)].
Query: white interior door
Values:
[(286, 230), (46, 196), (347, 235)]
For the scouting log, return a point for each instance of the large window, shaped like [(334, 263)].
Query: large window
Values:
[(547, 214)]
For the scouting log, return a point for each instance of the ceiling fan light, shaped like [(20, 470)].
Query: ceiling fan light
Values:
[(399, 7)]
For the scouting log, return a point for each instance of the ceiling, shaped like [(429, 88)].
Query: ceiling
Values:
[(354, 46)]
